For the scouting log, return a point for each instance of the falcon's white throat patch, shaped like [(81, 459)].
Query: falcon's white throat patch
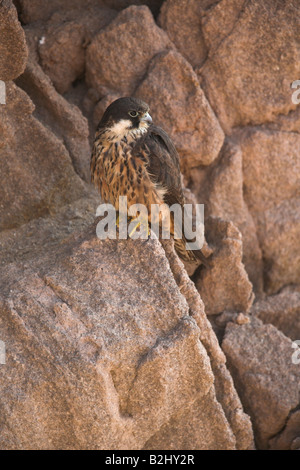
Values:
[(123, 128)]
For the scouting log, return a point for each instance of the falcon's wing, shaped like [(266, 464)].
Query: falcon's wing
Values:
[(164, 170), (163, 164)]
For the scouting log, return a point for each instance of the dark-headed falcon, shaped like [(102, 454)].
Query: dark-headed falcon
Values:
[(132, 157)]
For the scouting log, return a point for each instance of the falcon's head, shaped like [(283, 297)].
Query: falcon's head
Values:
[(126, 117)]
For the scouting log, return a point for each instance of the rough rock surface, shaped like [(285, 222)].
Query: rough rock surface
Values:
[(65, 121), (225, 286), (63, 55), (260, 360), (28, 242), (181, 19), (221, 191), (13, 50), (101, 107), (106, 55), (271, 168), (36, 170), (225, 391), (254, 87), (281, 310), (108, 344), (35, 10), (154, 5), (182, 109), (289, 439), (218, 20), (62, 48), (116, 348), (31, 11)]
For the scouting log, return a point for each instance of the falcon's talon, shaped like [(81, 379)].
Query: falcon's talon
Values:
[(148, 238)]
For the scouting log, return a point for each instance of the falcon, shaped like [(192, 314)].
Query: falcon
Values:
[(134, 158)]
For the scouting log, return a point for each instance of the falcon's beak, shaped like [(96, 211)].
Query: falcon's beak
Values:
[(146, 118)]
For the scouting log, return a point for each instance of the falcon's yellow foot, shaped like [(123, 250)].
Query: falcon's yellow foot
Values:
[(129, 219), (137, 225)]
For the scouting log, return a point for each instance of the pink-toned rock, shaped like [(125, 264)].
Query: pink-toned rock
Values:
[(181, 109), (62, 54), (154, 5), (65, 121), (221, 190), (36, 10), (279, 230), (218, 21), (13, 50), (31, 240), (282, 310), (271, 168), (289, 438), (108, 343), (181, 19), (37, 172), (101, 107), (224, 286), (225, 391), (247, 79), (260, 360), (187, 438), (62, 47), (288, 123), (103, 354), (118, 65), (32, 11)]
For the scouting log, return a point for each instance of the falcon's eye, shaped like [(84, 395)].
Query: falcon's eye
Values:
[(133, 113)]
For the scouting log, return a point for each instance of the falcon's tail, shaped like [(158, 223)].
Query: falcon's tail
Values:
[(189, 255), (194, 238)]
